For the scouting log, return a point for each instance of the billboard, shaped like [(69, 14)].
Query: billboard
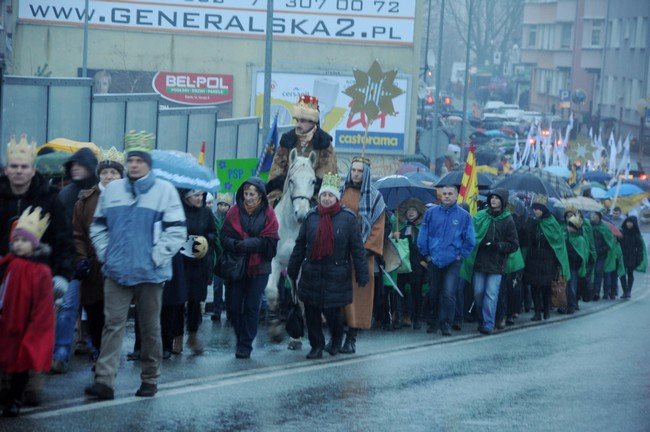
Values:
[(386, 134), (358, 21)]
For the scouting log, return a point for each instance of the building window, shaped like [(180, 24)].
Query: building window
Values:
[(532, 36), (595, 33), (633, 31), (641, 32), (614, 34), (565, 41)]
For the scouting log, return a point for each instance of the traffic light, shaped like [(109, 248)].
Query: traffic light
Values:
[(429, 100), (446, 100)]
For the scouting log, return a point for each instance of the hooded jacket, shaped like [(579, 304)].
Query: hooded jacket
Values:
[(632, 244), (70, 194), (58, 234)]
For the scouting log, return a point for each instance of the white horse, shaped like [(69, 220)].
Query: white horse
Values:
[(291, 212)]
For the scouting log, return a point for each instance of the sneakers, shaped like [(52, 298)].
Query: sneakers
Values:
[(147, 390), (100, 391)]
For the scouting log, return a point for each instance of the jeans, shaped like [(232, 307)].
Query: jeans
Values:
[(459, 313), (572, 291), (245, 303), (66, 320), (443, 286), (217, 290), (486, 293)]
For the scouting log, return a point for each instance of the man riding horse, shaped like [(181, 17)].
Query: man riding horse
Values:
[(305, 138)]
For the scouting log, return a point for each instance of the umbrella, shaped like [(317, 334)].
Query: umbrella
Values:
[(614, 229), (51, 163), (397, 188), (559, 171), (454, 178), (598, 193), (528, 183), (68, 146), (581, 203), (183, 170), (559, 184), (412, 167), (428, 179), (643, 184), (599, 176), (624, 190)]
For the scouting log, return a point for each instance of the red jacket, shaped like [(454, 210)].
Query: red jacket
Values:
[(27, 316)]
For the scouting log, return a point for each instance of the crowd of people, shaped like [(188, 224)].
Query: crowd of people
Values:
[(74, 262)]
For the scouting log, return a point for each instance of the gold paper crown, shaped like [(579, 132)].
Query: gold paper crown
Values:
[(139, 141), (540, 199), (224, 198), (32, 222), (22, 149), (112, 155), (331, 181), (363, 160), (306, 108)]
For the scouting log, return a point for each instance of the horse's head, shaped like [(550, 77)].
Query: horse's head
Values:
[(300, 183)]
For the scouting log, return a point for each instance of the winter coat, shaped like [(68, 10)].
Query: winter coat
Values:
[(27, 317), (175, 289), (253, 226), (138, 227), (418, 272), (58, 234), (632, 244), (92, 286), (541, 262), (446, 233), (70, 193), (198, 272), (327, 283)]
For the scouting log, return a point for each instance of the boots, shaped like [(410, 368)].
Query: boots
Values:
[(177, 345), (350, 345), (194, 344)]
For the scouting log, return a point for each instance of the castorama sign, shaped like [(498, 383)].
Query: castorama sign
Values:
[(194, 88)]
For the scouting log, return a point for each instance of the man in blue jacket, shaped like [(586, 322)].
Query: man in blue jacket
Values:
[(446, 238), (139, 225)]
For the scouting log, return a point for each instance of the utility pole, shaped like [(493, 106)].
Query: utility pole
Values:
[(84, 62), (426, 59), (268, 66), (436, 101), (466, 81)]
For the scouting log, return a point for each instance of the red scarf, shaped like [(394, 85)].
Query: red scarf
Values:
[(270, 230), (324, 242)]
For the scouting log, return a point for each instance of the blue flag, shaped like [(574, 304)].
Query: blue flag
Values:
[(269, 149)]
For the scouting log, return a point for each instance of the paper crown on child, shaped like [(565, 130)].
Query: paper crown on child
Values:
[(31, 225), (142, 141), (224, 197), (21, 149), (332, 184), (306, 108)]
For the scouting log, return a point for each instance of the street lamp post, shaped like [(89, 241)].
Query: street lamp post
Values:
[(436, 101), (268, 67), (466, 78)]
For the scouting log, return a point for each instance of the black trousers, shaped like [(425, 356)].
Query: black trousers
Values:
[(334, 317), (18, 384), (171, 324), (627, 280), (95, 313), (542, 298)]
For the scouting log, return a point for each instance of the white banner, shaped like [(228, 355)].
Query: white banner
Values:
[(367, 21), (386, 134)]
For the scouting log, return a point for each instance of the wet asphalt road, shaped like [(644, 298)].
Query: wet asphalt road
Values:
[(587, 373)]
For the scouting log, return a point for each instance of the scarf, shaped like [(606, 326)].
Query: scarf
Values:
[(250, 209), (305, 138), (371, 203), (324, 241)]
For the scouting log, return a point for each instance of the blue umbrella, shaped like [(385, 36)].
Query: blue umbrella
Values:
[(183, 170), (626, 189), (598, 193), (599, 176), (397, 188)]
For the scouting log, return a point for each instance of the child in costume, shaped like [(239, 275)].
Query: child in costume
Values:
[(26, 307)]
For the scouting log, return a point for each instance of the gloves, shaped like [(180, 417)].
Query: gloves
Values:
[(60, 285), (82, 270)]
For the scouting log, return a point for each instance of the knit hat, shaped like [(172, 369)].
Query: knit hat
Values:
[(31, 226), (575, 222), (139, 144), (306, 108), (225, 198), (332, 184), (111, 158)]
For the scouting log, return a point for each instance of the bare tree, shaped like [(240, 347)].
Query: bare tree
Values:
[(495, 25)]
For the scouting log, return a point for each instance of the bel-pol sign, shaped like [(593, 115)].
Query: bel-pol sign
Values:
[(194, 88)]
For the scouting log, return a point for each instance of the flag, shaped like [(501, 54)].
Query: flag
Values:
[(469, 184), (612, 153), (201, 158), (269, 149)]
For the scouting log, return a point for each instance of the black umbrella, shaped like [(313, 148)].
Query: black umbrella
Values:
[(528, 183), (396, 189), (454, 178)]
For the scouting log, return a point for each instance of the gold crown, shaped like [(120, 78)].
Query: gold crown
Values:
[(112, 155), (306, 108), (139, 141), (540, 199), (363, 160), (22, 149), (331, 181), (32, 222), (224, 197)]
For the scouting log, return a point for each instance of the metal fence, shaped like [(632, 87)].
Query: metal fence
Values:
[(48, 108)]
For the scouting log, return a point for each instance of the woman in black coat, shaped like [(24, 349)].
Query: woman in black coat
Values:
[(633, 247), (328, 244)]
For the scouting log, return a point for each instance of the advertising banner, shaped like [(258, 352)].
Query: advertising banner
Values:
[(359, 21), (193, 88), (386, 134), (233, 172)]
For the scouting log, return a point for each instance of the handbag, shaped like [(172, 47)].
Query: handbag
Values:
[(558, 292), (295, 324), (404, 251), (231, 267)]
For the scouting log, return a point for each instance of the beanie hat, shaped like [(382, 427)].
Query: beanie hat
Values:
[(139, 144), (111, 158), (332, 184), (306, 108)]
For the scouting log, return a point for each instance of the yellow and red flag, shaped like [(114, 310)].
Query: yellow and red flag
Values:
[(201, 158), (469, 184)]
